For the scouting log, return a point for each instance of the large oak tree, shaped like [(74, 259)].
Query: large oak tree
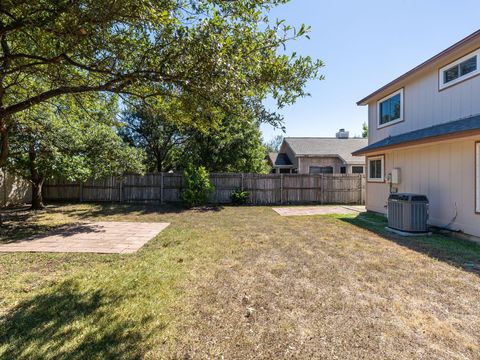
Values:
[(206, 54)]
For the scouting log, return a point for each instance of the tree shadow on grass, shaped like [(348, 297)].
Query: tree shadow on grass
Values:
[(111, 209), (457, 252), (69, 323), (21, 223), (18, 223)]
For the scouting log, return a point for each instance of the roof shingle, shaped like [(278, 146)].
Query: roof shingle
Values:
[(432, 132), (327, 147)]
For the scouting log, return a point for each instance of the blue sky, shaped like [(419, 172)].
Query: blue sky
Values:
[(364, 45)]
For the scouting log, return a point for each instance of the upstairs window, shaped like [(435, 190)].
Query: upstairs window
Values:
[(459, 70), (390, 109)]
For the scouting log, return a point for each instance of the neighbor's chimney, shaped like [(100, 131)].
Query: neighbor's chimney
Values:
[(342, 134)]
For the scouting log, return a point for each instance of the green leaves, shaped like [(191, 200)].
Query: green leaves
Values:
[(216, 53), (197, 186), (73, 138)]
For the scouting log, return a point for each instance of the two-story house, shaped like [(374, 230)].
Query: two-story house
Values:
[(319, 155), (424, 137)]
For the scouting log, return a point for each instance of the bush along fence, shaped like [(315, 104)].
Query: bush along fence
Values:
[(262, 189)]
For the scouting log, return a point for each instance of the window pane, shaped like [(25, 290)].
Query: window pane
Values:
[(396, 107), (384, 112), (343, 170), (450, 74), (375, 169), (321, 170), (468, 66), (390, 109), (357, 169)]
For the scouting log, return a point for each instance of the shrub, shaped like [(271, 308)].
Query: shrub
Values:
[(239, 197), (198, 186)]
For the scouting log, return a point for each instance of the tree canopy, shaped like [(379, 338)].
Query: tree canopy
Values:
[(273, 145), (66, 140), (207, 55), (231, 143)]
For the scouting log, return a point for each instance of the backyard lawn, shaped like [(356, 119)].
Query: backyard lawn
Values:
[(240, 282)]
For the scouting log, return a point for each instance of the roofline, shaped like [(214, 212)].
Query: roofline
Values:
[(423, 65), (456, 135), (324, 138)]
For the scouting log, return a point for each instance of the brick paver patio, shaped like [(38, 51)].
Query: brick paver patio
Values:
[(94, 237), (318, 210)]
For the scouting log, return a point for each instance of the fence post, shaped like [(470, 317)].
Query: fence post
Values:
[(362, 200), (241, 184), (281, 188), (81, 192), (322, 190), (120, 190), (161, 188)]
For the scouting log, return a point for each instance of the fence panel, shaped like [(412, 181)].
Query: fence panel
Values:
[(263, 189), (224, 185), (62, 190), (101, 190)]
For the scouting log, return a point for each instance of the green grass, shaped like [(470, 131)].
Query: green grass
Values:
[(96, 306), (456, 251), (239, 282)]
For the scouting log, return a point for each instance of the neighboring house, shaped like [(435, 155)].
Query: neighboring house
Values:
[(424, 137), (319, 155)]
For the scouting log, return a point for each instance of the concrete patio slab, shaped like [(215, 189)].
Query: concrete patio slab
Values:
[(318, 210), (90, 237)]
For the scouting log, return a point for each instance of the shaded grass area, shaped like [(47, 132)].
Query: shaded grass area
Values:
[(455, 251), (241, 283), (94, 305)]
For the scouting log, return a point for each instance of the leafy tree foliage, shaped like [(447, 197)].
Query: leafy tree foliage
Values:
[(231, 144), (210, 54), (364, 130), (153, 131), (274, 144), (65, 140)]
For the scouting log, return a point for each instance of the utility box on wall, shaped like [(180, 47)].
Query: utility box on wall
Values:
[(395, 176)]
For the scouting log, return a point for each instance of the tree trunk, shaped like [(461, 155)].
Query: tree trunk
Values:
[(4, 143), (37, 181), (37, 196)]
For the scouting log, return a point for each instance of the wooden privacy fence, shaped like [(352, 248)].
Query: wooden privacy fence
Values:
[(262, 189)]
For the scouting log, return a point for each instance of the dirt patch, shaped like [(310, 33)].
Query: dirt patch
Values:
[(318, 210)]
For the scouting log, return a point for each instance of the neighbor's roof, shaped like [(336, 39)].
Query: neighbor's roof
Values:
[(327, 147), (279, 159), (435, 61), (458, 128)]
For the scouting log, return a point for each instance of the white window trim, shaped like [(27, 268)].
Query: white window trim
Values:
[(477, 177), (443, 85), (379, 126), (382, 178)]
